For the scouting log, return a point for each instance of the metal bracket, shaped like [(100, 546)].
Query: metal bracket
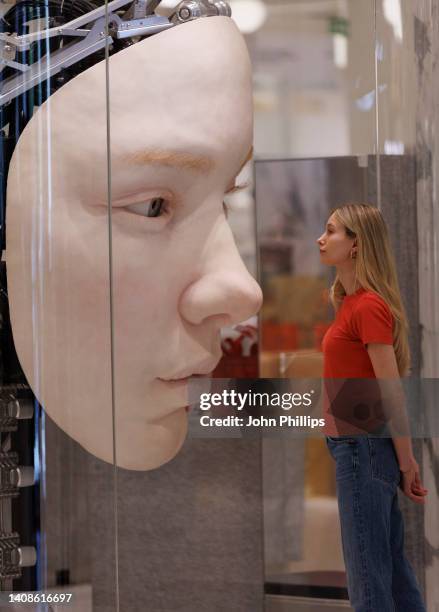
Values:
[(9, 555), (48, 67), (24, 42), (8, 475), (188, 10), (146, 26), (12, 410), (141, 8), (13, 476), (13, 556)]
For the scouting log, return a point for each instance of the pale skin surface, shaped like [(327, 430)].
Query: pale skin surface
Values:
[(181, 129), (335, 250)]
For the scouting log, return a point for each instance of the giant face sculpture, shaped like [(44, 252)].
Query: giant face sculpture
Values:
[(180, 116)]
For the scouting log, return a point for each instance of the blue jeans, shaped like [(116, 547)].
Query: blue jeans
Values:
[(380, 578)]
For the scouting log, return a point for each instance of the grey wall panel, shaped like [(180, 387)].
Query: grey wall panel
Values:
[(65, 512), (189, 533), (399, 207)]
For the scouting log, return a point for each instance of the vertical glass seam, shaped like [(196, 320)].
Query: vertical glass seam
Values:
[(377, 117), (112, 352)]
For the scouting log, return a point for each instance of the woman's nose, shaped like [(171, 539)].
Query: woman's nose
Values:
[(320, 240), (224, 291)]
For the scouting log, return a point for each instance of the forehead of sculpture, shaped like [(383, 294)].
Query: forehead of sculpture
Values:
[(188, 86)]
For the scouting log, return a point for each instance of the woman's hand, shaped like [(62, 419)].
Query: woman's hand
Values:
[(411, 484)]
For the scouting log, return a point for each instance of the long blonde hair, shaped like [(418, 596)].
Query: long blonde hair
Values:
[(375, 270)]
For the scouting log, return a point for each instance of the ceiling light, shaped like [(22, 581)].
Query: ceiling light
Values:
[(393, 14), (249, 15)]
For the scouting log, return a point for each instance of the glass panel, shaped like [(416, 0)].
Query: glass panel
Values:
[(396, 66), (396, 72), (302, 547), (189, 516), (315, 96), (56, 376), (408, 136), (120, 279), (314, 79)]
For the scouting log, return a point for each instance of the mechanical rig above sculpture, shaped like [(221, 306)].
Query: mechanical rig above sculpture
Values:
[(90, 33)]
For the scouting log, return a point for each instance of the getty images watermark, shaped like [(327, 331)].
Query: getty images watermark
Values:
[(232, 399), (233, 407)]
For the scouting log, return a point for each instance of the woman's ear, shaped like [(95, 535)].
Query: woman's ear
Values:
[(354, 249)]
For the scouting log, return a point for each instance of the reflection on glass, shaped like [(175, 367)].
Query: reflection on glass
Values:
[(48, 259), (176, 277), (396, 75), (314, 79), (293, 199)]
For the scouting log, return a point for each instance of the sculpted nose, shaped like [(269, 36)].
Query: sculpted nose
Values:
[(224, 290), (229, 298)]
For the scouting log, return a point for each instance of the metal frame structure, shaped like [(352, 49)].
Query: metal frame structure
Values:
[(89, 35)]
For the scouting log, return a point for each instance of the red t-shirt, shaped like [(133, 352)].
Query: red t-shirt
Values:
[(363, 317)]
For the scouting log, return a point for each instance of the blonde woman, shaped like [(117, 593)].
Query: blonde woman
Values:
[(368, 343)]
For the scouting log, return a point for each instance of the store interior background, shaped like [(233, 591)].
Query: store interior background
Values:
[(345, 95), (344, 90)]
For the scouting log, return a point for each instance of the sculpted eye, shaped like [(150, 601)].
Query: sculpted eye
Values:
[(155, 207), (237, 188)]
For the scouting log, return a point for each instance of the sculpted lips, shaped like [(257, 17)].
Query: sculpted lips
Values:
[(174, 382), (177, 387), (183, 378), (181, 383), (199, 370)]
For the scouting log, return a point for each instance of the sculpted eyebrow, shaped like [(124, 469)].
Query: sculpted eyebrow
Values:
[(173, 159), (247, 159)]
